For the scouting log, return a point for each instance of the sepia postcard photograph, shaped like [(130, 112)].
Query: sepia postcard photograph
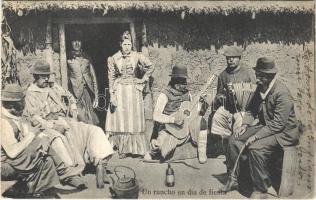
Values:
[(157, 99)]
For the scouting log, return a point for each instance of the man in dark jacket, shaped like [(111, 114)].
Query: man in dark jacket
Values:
[(269, 125)]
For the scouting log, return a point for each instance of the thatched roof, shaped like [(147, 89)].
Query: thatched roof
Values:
[(190, 7)]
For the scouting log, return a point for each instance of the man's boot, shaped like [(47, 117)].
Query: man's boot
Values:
[(230, 185), (75, 181), (202, 146), (106, 178), (99, 175)]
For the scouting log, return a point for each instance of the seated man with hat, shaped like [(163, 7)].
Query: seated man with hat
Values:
[(273, 110), (168, 103), (226, 117), (45, 105), (37, 156)]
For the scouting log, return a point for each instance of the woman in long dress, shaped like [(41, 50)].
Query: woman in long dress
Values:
[(128, 73)]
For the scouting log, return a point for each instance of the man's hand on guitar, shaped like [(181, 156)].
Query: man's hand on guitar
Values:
[(179, 118)]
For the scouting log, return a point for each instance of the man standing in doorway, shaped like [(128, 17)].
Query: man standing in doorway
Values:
[(82, 81)]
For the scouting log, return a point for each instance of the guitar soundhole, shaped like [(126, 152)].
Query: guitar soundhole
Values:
[(186, 112)]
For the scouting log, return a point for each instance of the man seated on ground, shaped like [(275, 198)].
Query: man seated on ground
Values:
[(276, 126), (45, 105), (168, 103), (32, 152)]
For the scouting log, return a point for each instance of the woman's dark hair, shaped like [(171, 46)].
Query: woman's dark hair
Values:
[(125, 36)]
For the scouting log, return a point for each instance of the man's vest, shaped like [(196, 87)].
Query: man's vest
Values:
[(80, 76), (175, 98)]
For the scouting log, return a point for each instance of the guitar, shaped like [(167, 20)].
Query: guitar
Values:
[(191, 114)]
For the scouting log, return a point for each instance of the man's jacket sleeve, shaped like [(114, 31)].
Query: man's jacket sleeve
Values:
[(281, 113)]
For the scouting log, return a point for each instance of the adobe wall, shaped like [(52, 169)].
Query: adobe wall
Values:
[(288, 41), (198, 42)]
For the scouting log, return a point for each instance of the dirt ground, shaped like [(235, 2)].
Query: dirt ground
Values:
[(192, 180)]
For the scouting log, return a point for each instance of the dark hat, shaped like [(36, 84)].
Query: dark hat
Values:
[(179, 71), (232, 51), (41, 67), (266, 65), (12, 92)]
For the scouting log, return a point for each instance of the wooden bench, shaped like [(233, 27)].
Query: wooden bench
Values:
[(283, 171), (289, 168)]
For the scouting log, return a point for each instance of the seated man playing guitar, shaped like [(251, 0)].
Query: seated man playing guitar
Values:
[(176, 127)]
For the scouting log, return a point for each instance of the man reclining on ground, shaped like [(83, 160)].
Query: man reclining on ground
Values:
[(24, 147), (88, 143)]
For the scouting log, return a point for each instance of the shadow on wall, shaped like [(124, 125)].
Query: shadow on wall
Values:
[(203, 31)]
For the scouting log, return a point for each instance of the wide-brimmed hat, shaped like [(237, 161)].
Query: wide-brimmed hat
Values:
[(233, 51), (179, 71), (266, 65), (41, 67), (12, 92)]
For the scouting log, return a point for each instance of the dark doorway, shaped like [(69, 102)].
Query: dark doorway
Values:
[(99, 41)]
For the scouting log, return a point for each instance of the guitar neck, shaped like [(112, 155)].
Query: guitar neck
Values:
[(210, 80)]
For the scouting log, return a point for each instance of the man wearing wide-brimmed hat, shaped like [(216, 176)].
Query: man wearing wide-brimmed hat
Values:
[(32, 151), (45, 105), (269, 125), (168, 103)]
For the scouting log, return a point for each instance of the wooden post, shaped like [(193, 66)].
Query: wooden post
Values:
[(148, 100), (133, 34), (289, 166), (49, 48), (144, 40), (63, 59)]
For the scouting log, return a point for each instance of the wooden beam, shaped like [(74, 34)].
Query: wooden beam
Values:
[(133, 34), (92, 20), (63, 59)]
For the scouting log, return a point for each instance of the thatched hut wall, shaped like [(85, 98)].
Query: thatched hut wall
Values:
[(196, 36), (198, 41)]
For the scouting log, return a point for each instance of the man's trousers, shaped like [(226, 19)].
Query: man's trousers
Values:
[(258, 154)]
